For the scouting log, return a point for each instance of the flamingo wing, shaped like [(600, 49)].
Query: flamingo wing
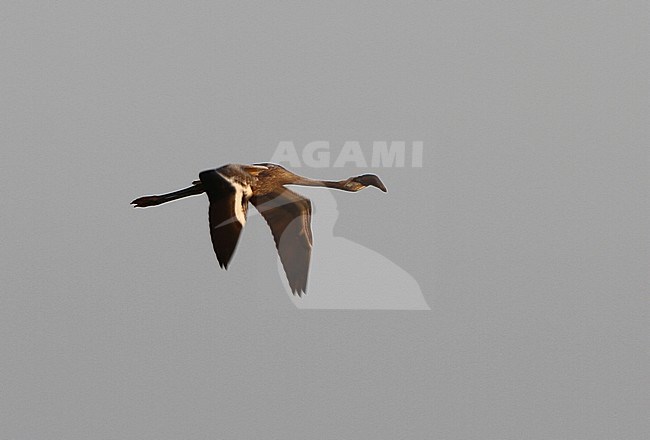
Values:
[(228, 195), (288, 214)]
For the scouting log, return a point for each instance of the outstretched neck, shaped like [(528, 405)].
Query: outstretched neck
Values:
[(353, 184), (336, 184)]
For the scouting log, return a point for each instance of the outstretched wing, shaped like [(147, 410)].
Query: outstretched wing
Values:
[(227, 213), (289, 217)]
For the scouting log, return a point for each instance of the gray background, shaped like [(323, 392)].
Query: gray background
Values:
[(527, 227)]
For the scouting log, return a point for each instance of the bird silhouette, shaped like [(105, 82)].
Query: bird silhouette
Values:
[(288, 214)]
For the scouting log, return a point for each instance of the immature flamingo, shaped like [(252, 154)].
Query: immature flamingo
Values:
[(287, 213)]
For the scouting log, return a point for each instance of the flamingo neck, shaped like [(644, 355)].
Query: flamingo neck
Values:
[(336, 184)]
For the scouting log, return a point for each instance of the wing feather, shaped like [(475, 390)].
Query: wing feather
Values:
[(288, 214), (227, 212)]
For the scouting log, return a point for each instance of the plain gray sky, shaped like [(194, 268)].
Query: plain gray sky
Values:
[(526, 228)]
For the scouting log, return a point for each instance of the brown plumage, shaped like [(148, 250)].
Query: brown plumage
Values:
[(287, 213)]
